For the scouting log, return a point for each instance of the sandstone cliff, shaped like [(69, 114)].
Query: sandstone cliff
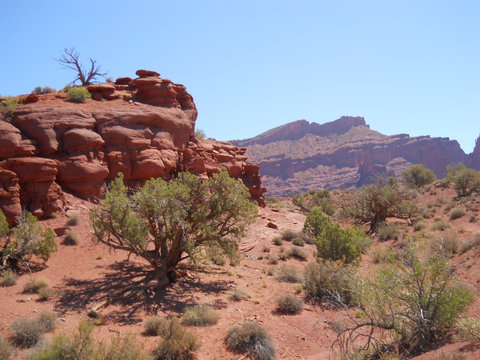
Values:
[(141, 127), (344, 153)]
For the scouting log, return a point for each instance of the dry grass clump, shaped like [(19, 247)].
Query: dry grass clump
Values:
[(419, 225), (457, 213), (177, 344), (456, 355), (46, 293), (272, 259), (297, 253), (387, 232), (26, 332), (289, 274), (239, 294), (288, 235), (199, 315), (71, 238), (298, 241), (47, 321), (155, 326), (289, 304), (447, 244), (74, 219), (440, 225), (6, 350), (277, 241), (471, 243), (8, 278), (252, 339), (33, 286)]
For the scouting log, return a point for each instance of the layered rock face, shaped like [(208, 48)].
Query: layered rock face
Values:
[(473, 159), (300, 156), (143, 128)]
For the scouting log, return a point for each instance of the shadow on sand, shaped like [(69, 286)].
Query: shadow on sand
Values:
[(122, 288)]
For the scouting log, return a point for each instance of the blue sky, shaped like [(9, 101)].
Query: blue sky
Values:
[(407, 66)]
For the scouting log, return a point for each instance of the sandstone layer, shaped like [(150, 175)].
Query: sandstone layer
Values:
[(143, 128), (345, 153)]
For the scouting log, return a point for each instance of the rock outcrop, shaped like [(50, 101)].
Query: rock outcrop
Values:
[(473, 160), (142, 127), (345, 153)]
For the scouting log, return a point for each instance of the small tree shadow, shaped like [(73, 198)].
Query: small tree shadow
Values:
[(124, 287)]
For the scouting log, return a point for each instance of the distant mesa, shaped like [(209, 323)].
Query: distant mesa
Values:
[(143, 128), (344, 153)]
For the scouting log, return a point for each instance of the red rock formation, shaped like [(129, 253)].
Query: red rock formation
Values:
[(473, 160), (300, 156), (143, 128)]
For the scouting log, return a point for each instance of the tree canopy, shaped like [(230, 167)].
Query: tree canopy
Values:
[(166, 222)]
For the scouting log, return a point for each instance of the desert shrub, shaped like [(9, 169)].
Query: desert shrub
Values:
[(74, 219), (288, 235), (447, 244), (177, 344), (81, 345), (465, 180), (272, 259), (329, 282), (6, 350), (440, 225), (468, 329), (418, 175), (200, 315), (419, 225), (473, 219), (457, 213), (470, 243), (185, 215), (298, 241), (252, 339), (78, 95), (8, 106), (8, 278), (289, 274), (27, 239), (411, 302), (155, 326), (47, 321), (374, 204), (200, 134), (297, 253), (46, 293), (382, 255), (239, 294), (26, 332), (43, 90), (387, 232), (71, 238), (277, 241), (338, 243), (288, 304), (33, 286)]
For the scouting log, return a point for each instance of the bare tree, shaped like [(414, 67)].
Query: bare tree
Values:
[(70, 60)]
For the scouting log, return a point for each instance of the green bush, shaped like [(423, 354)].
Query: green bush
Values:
[(177, 344), (252, 339), (24, 241), (8, 106), (289, 274), (200, 315), (239, 295), (387, 232), (33, 286), (8, 278), (457, 213), (43, 90), (329, 282), (418, 175), (465, 180), (26, 332), (289, 304), (78, 95), (338, 243), (408, 305), (6, 350)]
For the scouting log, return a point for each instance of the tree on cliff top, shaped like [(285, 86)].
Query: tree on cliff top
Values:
[(71, 60), (166, 222)]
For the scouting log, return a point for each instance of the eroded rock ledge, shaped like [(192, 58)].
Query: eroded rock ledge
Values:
[(142, 127)]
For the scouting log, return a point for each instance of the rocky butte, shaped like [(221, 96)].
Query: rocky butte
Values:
[(143, 128), (344, 153)]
